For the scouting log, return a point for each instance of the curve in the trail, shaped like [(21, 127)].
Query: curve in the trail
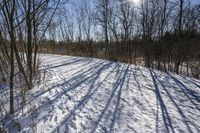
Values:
[(92, 95)]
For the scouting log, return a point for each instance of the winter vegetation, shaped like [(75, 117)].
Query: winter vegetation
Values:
[(99, 66)]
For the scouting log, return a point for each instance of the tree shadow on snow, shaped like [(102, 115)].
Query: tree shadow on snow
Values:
[(72, 61), (189, 94), (92, 89), (74, 83), (117, 86), (79, 77), (165, 114), (192, 96), (193, 81), (136, 78), (180, 111)]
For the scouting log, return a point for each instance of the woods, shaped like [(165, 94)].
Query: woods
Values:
[(161, 33)]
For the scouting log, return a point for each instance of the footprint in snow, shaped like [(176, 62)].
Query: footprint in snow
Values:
[(60, 107), (74, 117), (83, 126), (56, 118), (69, 97), (104, 128), (45, 119), (63, 111), (51, 116), (79, 116), (51, 109), (50, 126)]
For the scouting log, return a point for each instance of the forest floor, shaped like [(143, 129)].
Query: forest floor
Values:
[(82, 95)]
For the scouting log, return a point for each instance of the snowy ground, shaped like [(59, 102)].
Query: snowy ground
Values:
[(83, 95)]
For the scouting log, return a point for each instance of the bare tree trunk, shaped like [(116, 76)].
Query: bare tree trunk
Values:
[(9, 17), (180, 16), (29, 43), (12, 67)]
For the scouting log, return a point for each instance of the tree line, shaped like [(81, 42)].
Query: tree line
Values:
[(161, 33)]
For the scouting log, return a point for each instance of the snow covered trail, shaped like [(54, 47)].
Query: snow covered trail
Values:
[(87, 95)]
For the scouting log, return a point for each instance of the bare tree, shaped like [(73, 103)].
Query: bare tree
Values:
[(17, 15), (8, 14), (102, 17), (126, 20)]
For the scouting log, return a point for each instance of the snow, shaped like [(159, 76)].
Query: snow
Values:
[(83, 95)]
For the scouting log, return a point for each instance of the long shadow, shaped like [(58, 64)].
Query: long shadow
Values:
[(190, 94), (84, 70), (74, 61), (80, 76), (17, 96), (197, 84), (173, 101), (84, 75), (147, 81), (139, 87), (157, 116), (92, 90), (51, 58), (143, 74), (116, 85), (61, 65), (165, 114), (74, 86), (117, 110), (56, 60), (55, 66)]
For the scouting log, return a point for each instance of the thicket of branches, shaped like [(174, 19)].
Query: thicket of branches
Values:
[(23, 24)]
